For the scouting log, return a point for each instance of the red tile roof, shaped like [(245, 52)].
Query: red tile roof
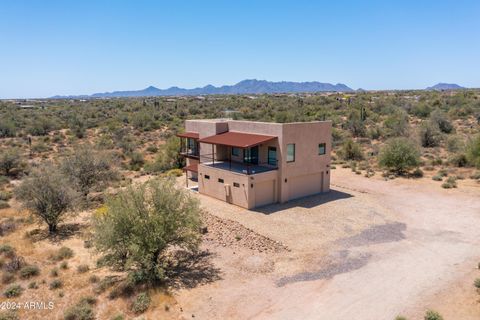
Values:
[(193, 135), (237, 139)]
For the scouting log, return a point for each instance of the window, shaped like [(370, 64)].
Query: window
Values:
[(236, 185), (322, 148), (236, 152), (220, 180), (272, 156), (207, 176), (291, 152)]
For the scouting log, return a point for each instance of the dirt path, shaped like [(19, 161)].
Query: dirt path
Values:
[(372, 249)]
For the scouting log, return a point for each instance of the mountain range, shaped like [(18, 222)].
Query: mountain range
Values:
[(252, 86), (445, 86)]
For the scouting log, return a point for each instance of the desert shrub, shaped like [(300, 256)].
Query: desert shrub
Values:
[(443, 172), (374, 132), (476, 283), (417, 173), (87, 169), (458, 160), (124, 288), (136, 161), (15, 264), (10, 159), (82, 268), (437, 177), (104, 284), (55, 284), (48, 195), (4, 204), (33, 285), (351, 151), (399, 155), (430, 135), (77, 126), (40, 147), (475, 176), (63, 253), (441, 120), (174, 172), (14, 290), (396, 124), (168, 157), (141, 303), (455, 143), (29, 271), (118, 317), (472, 151), (432, 315), (355, 123), (5, 196), (7, 128), (400, 318), (7, 250), (7, 277), (54, 272), (82, 310), (451, 182), (9, 315), (40, 126), (64, 265), (93, 279), (152, 149), (142, 222)]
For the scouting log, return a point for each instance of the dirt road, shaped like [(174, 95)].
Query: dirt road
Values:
[(371, 249)]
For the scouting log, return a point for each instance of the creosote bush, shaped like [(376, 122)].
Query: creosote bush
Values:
[(432, 315), (399, 155), (141, 303), (137, 227), (29, 271), (12, 291)]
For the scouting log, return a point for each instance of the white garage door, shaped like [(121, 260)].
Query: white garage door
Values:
[(264, 193), (304, 185)]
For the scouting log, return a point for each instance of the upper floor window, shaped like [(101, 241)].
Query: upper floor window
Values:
[(291, 152), (322, 148), (235, 152)]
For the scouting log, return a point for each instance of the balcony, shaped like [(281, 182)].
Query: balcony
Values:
[(237, 167)]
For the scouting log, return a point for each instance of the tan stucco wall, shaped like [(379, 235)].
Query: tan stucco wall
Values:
[(303, 175)]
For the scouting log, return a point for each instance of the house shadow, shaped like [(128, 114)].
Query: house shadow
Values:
[(305, 202)]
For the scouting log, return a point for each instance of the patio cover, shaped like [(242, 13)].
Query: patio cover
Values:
[(237, 139), (192, 135)]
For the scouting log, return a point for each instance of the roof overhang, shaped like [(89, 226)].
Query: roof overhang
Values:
[(237, 139), (193, 135), (191, 168)]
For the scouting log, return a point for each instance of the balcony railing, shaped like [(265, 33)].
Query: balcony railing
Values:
[(237, 167), (192, 153)]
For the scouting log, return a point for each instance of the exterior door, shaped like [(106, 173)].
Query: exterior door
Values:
[(272, 156), (251, 155)]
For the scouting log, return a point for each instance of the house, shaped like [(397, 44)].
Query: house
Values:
[(252, 164)]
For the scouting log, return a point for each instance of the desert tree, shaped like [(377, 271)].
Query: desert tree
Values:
[(87, 168), (473, 151), (48, 195), (137, 228), (430, 135), (10, 159), (399, 155)]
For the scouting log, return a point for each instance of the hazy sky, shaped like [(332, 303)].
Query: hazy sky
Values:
[(82, 47)]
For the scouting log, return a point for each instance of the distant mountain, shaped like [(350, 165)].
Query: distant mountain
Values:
[(445, 86), (243, 87)]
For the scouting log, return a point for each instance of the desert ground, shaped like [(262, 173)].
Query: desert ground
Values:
[(368, 249)]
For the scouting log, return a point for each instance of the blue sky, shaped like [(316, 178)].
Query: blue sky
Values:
[(82, 47)]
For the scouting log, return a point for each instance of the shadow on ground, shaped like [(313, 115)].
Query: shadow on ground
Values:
[(306, 202), (191, 270), (64, 231)]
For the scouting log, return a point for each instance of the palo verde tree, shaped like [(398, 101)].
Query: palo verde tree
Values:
[(87, 169), (48, 195), (137, 227), (399, 155)]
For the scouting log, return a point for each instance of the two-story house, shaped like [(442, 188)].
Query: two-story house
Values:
[(252, 164)]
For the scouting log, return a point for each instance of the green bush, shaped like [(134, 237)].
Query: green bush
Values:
[(4, 204), (83, 268), (417, 173), (12, 291), (7, 250), (11, 159), (141, 303), (475, 176), (432, 315), (450, 183), (458, 160), (7, 128), (437, 177), (441, 120), (56, 284), (455, 143), (472, 151), (351, 151), (81, 311), (29, 271), (63, 253), (142, 222), (174, 172), (399, 155), (476, 283), (430, 135)]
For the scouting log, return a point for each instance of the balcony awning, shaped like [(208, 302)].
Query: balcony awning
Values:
[(193, 135), (192, 168), (237, 139)]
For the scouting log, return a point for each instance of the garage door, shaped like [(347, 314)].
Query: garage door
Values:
[(304, 186), (264, 193)]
